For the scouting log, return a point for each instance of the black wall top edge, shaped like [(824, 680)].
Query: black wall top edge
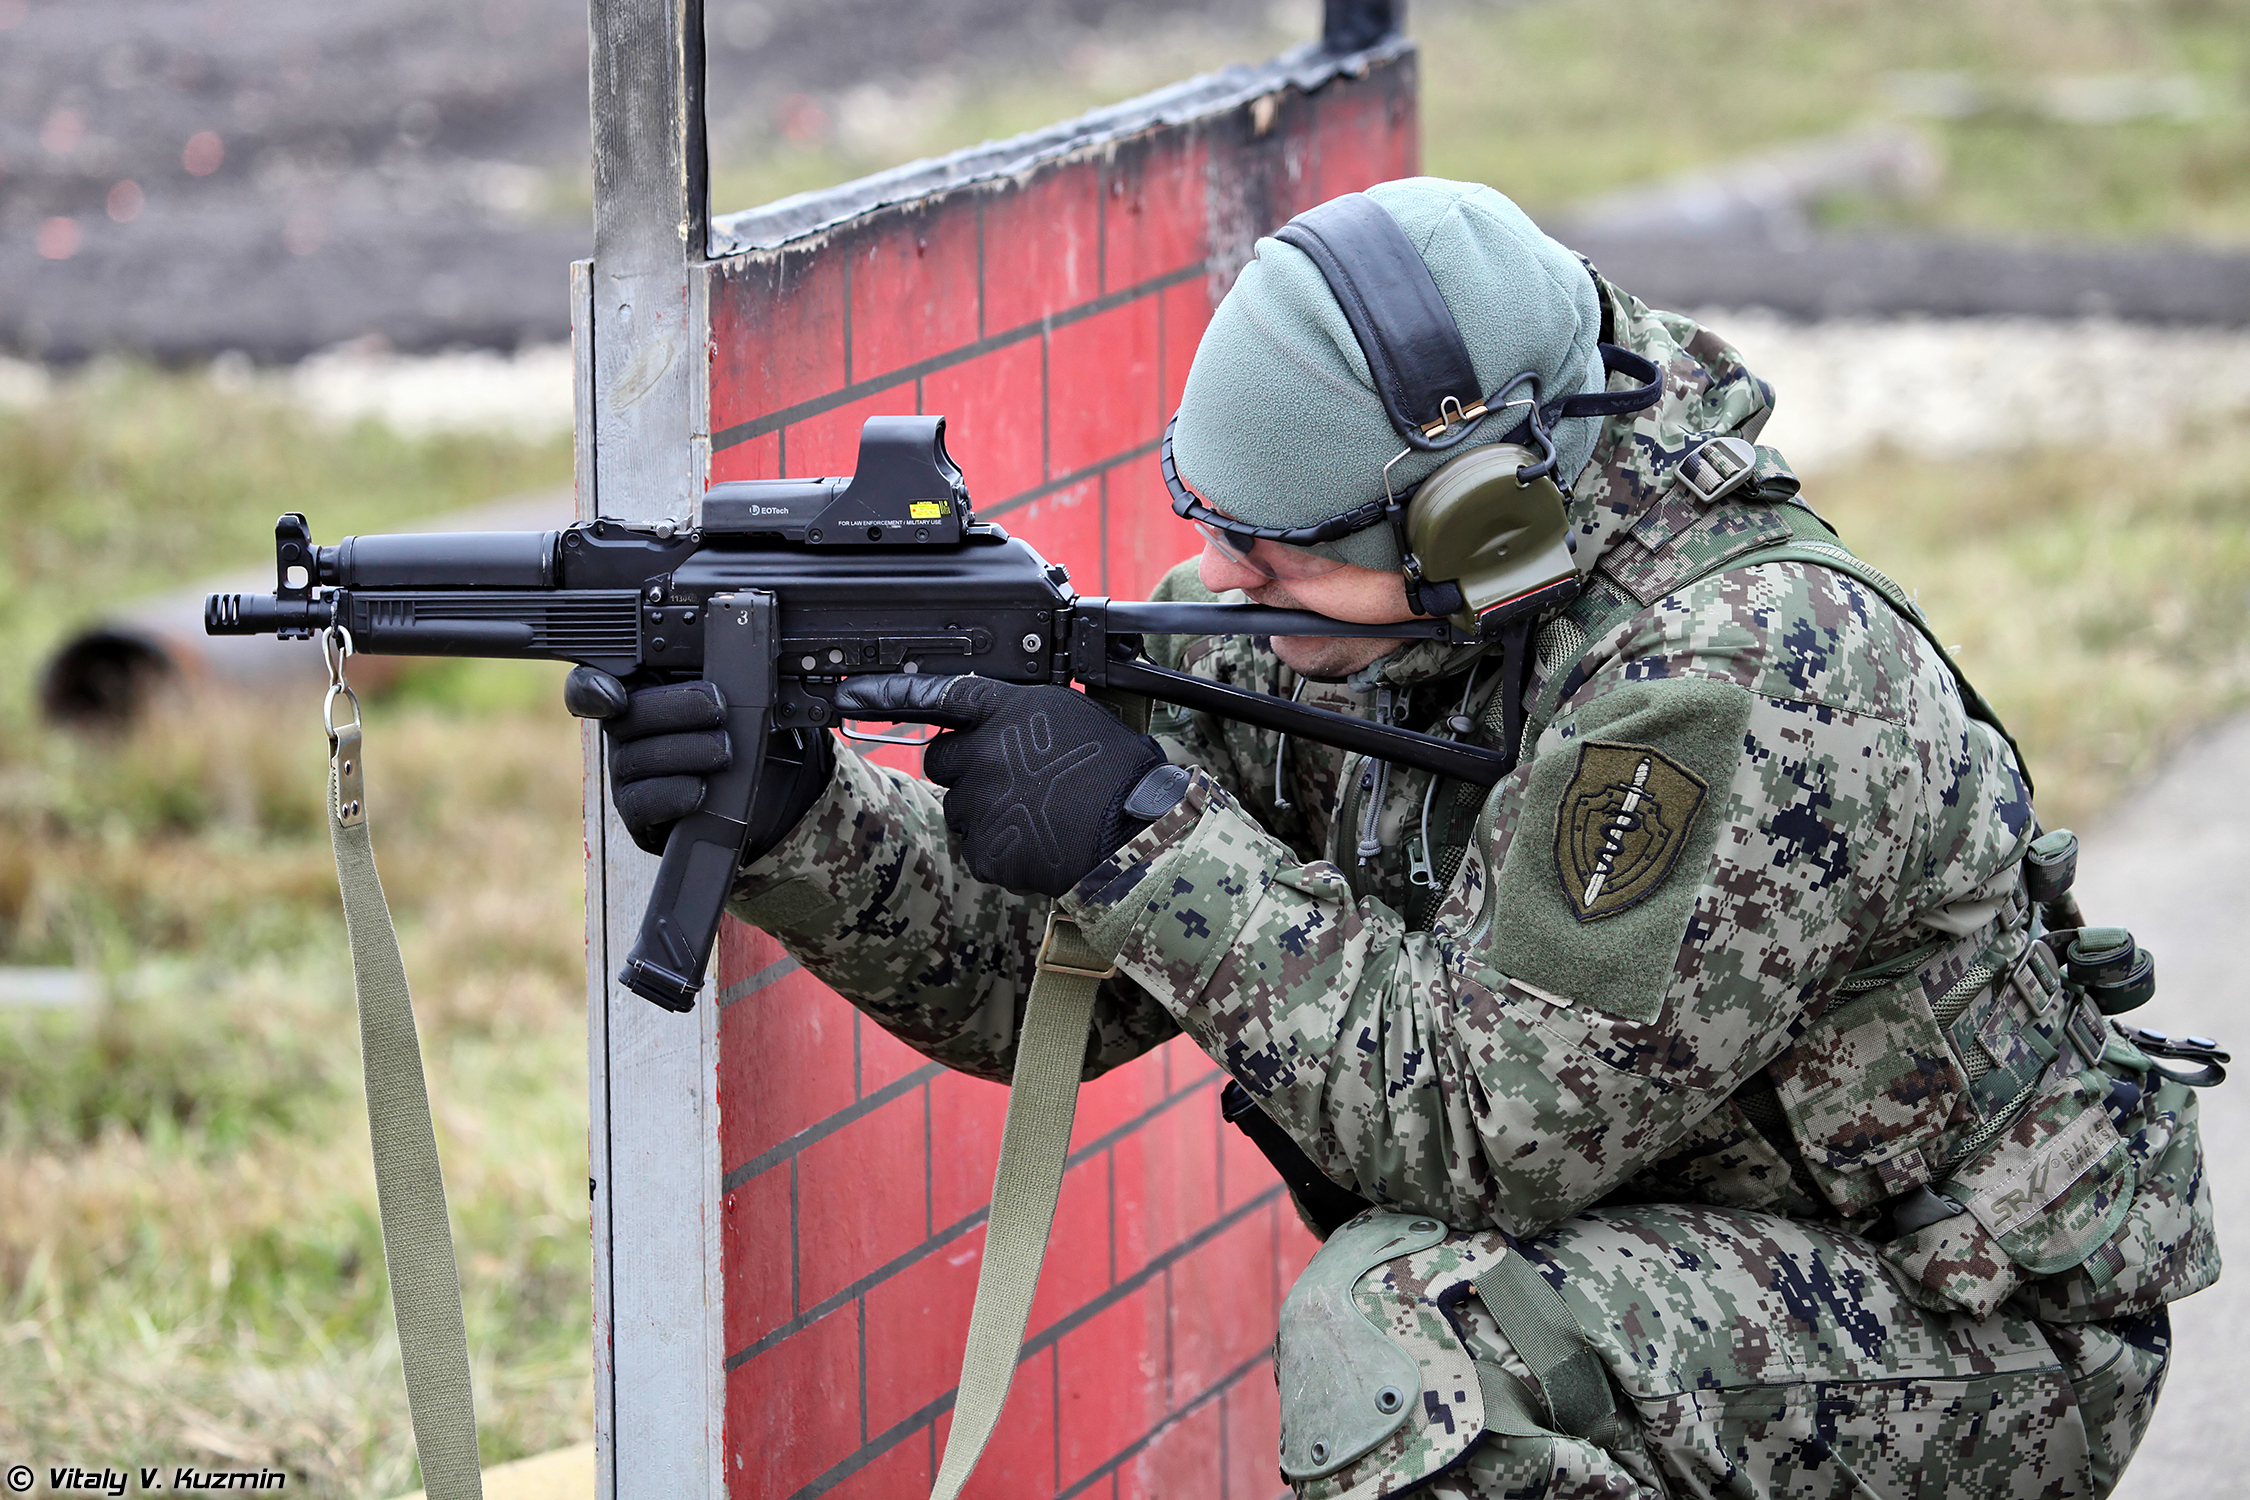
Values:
[(1355, 25)]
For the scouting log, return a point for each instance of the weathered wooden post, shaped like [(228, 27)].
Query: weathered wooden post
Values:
[(788, 1204)]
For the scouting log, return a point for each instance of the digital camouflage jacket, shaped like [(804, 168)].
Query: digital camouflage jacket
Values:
[(1743, 927)]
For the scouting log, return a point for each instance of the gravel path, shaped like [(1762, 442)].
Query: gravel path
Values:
[(1953, 387), (2173, 863)]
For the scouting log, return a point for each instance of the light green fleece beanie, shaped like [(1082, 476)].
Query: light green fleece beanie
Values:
[(1280, 424)]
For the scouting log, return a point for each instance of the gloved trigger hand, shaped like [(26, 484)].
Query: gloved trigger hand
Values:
[(1038, 778), (662, 742)]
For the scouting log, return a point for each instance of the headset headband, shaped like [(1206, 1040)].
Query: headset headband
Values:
[(1413, 347)]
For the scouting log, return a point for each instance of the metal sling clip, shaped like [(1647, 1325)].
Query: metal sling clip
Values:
[(344, 756)]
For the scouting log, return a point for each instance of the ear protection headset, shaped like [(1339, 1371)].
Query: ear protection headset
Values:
[(1484, 536)]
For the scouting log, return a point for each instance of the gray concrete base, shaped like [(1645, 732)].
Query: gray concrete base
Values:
[(2173, 864)]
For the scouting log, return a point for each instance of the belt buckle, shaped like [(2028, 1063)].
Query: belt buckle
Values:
[(2088, 1033), (2039, 984), (1047, 945), (1731, 461)]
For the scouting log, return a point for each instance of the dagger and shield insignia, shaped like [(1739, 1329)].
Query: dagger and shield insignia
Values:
[(1623, 821)]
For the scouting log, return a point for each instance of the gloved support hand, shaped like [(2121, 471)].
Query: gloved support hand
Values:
[(664, 740), (1042, 783)]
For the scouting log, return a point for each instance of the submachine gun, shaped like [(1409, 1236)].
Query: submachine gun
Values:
[(783, 588)]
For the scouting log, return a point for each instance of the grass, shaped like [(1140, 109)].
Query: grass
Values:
[(128, 481), (793, 143), (187, 1246), (190, 1267), (189, 1259), (1552, 102)]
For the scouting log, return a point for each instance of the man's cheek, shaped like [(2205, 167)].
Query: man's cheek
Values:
[(1219, 572)]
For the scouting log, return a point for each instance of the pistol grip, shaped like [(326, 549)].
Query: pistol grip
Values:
[(673, 952)]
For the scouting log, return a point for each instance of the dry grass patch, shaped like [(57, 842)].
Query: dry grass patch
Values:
[(189, 1258), (2099, 598)]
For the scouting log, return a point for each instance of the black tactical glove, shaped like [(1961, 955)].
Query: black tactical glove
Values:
[(1042, 783), (664, 740)]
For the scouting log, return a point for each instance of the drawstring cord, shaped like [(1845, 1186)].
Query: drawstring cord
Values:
[(1418, 858), (1378, 783), (1281, 755)]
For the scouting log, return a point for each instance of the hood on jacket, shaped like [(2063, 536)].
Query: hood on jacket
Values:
[(1709, 392)]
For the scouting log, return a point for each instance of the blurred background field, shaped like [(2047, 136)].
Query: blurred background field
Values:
[(188, 1253), (2072, 117), (189, 1258)]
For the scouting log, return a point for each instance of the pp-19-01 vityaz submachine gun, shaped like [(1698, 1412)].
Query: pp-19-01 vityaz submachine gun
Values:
[(781, 589)]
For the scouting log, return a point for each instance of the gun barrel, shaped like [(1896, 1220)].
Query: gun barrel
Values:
[(264, 614)]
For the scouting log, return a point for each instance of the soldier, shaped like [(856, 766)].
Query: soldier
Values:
[(1699, 1109)]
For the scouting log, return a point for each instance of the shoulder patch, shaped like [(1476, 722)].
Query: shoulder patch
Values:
[(1621, 825)]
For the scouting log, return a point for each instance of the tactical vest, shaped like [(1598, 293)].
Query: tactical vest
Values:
[(2003, 1132)]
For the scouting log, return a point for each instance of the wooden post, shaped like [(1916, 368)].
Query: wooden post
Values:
[(643, 451)]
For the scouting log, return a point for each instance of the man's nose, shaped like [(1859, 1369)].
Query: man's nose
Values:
[(1221, 570)]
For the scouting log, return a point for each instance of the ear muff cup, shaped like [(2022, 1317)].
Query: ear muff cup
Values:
[(1505, 544)]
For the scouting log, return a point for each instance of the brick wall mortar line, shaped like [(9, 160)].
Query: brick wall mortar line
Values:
[(926, 1417), (1133, 1450), (1055, 486), (773, 1156), (804, 1318), (1226, 1453), (775, 421), (788, 1150), (1045, 1337), (743, 989), (1168, 1309)]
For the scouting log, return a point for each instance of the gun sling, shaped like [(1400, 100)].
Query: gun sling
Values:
[(433, 1344), (1042, 1102)]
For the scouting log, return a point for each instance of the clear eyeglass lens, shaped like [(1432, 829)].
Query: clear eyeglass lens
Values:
[(1273, 559)]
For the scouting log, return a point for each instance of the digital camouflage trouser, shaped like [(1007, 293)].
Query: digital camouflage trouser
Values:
[(1757, 1356)]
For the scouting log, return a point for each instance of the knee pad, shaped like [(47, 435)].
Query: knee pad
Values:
[(1377, 1389)]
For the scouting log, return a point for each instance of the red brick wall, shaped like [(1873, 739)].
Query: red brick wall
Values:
[(1051, 318)]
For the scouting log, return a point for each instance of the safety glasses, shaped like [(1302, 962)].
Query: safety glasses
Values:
[(1270, 558), (1276, 551)]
